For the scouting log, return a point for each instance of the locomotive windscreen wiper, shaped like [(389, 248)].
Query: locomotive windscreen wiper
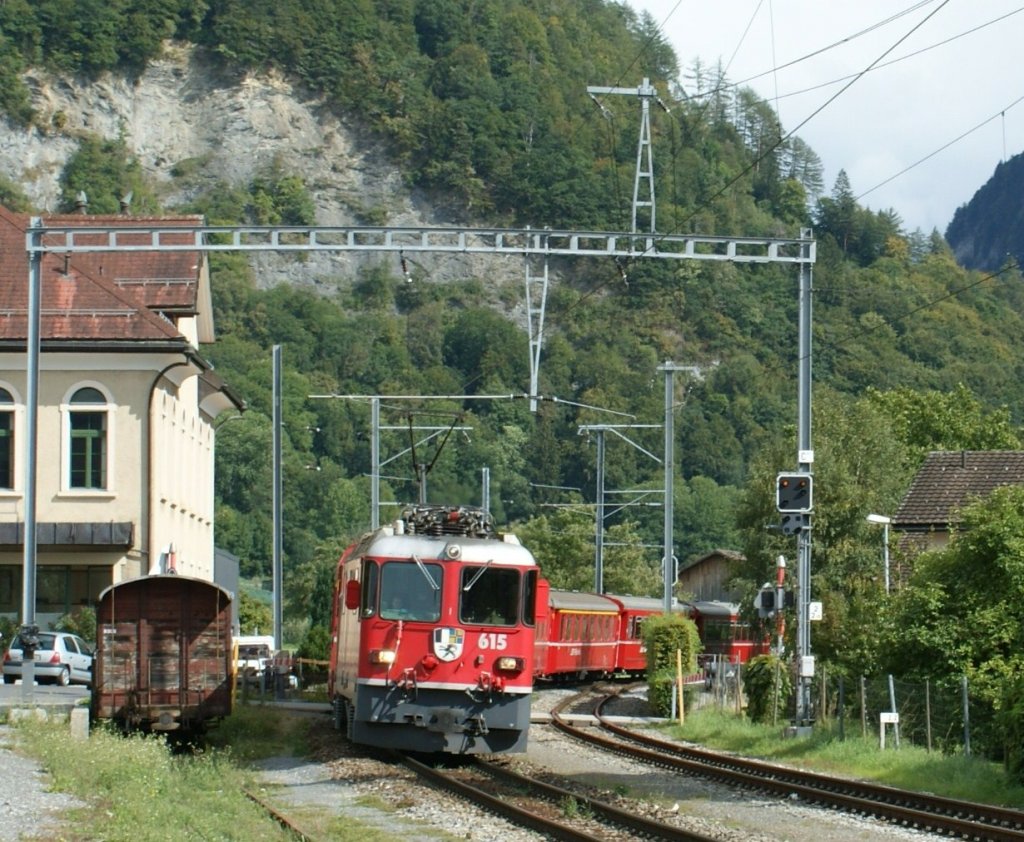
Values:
[(477, 575), (425, 572)]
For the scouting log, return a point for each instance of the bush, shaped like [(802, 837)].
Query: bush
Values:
[(663, 637), (8, 628), (316, 646), (81, 621), (767, 684), (1009, 722)]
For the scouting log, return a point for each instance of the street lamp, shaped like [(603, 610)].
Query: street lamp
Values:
[(885, 521)]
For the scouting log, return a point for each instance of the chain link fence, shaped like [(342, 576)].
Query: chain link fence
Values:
[(939, 716)]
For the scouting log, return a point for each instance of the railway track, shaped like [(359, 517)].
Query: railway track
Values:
[(955, 818), (552, 811), (493, 785), (280, 817)]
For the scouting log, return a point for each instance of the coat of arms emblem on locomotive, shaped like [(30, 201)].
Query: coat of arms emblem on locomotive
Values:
[(448, 643)]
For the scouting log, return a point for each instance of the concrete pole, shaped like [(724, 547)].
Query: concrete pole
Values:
[(599, 518), (28, 601), (669, 461), (277, 560), (374, 462), (805, 460), (885, 553)]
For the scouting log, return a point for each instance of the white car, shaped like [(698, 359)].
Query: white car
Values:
[(61, 657)]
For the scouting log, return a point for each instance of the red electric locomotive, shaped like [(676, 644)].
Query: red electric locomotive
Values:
[(433, 635)]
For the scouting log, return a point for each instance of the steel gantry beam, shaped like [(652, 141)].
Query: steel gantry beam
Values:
[(78, 239), (42, 239)]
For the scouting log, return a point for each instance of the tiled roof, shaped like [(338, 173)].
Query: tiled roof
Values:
[(104, 296), (728, 555), (950, 480), (163, 280)]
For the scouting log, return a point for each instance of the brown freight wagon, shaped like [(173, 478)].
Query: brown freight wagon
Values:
[(164, 658)]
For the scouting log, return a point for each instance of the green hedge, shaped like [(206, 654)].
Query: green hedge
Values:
[(663, 637)]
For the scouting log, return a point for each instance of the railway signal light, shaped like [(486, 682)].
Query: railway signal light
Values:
[(793, 522), (793, 493), (764, 602)]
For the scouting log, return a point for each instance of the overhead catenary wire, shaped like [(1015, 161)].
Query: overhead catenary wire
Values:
[(775, 68), (708, 95), (783, 138), (945, 146), (881, 66)]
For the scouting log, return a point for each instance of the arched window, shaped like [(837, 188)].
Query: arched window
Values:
[(6, 439), (87, 447)]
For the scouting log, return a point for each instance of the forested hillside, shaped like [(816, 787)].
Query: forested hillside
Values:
[(988, 231), (483, 106)]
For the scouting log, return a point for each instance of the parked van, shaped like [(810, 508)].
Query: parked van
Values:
[(254, 656)]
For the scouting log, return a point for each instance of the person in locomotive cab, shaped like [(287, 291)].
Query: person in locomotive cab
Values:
[(418, 604), (391, 608)]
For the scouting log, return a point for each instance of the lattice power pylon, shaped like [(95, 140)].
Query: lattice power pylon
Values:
[(644, 157)]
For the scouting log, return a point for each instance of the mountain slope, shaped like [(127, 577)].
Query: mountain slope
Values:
[(989, 229)]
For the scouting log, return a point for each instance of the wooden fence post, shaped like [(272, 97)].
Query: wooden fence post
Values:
[(679, 684)]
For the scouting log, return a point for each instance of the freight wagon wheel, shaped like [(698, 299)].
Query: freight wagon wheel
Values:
[(64, 679)]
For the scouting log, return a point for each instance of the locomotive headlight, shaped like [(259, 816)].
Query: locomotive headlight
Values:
[(508, 664), (382, 656)]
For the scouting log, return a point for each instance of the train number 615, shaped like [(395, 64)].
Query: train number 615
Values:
[(493, 640)]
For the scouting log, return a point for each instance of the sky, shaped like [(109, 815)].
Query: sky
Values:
[(920, 92)]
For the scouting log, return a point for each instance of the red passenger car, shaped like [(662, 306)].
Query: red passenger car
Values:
[(633, 611), (433, 635), (726, 638), (579, 638), (163, 654)]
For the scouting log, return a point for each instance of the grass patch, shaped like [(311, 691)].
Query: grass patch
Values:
[(909, 767), (256, 731), (137, 789)]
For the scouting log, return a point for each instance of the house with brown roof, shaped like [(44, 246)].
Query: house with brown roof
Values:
[(126, 406), (707, 578), (946, 482)]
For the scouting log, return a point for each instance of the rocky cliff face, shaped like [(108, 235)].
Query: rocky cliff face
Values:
[(183, 110)]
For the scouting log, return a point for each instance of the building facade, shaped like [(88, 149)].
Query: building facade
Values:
[(126, 408), (707, 578)]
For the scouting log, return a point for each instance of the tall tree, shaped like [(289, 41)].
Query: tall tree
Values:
[(963, 611)]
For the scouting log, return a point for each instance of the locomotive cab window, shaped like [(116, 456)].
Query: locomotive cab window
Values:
[(489, 596), (369, 595), (530, 598), (411, 591)]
